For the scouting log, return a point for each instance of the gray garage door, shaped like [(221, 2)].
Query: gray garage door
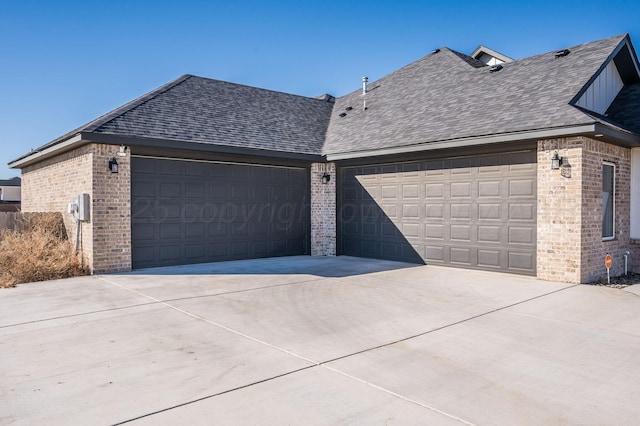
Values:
[(187, 212), (474, 212)]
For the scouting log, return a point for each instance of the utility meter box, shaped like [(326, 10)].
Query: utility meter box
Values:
[(84, 207)]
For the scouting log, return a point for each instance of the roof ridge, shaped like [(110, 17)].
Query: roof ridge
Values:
[(141, 100), (259, 88)]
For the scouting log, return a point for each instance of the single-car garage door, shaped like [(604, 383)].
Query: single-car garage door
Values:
[(185, 212), (474, 212)]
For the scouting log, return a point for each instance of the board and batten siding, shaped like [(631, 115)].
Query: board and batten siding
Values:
[(602, 91)]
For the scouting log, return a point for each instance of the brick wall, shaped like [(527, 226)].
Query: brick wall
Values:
[(570, 246), (111, 209), (105, 240), (323, 210), (559, 239), (595, 250), (49, 186)]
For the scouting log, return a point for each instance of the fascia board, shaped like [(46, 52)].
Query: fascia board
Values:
[(66, 145), (471, 141)]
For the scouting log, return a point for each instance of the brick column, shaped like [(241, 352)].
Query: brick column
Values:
[(323, 210), (570, 246), (111, 211)]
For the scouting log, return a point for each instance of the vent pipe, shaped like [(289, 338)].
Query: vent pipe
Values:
[(364, 85)]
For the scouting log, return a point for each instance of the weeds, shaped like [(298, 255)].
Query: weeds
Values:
[(38, 251)]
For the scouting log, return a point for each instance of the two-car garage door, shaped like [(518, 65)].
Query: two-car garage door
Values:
[(186, 212), (474, 212)]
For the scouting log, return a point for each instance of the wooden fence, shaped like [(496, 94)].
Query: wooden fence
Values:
[(10, 221)]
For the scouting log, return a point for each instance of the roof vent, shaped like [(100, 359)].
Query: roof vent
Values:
[(562, 53), (349, 108), (343, 114), (434, 51), (495, 68)]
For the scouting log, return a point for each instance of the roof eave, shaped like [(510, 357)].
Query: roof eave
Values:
[(133, 141), (72, 142), (613, 135)]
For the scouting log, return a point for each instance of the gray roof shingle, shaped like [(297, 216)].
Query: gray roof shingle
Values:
[(202, 110), (445, 96), (625, 109), (197, 109)]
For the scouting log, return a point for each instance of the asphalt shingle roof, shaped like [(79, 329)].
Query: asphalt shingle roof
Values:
[(446, 96), (443, 96), (625, 109), (202, 110), (16, 181)]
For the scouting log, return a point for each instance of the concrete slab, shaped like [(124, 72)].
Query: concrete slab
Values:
[(635, 289), (113, 366), (208, 279), (244, 343), (509, 368), (54, 299), (314, 396), (468, 287), (328, 319)]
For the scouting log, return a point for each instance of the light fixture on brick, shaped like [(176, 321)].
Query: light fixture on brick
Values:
[(326, 178), (113, 165), (556, 161)]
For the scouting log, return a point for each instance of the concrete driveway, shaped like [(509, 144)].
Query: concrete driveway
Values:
[(318, 341)]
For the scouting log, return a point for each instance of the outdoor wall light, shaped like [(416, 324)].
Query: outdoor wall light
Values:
[(122, 152), (113, 165), (556, 161), (326, 178)]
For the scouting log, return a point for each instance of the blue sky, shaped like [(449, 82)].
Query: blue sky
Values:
[(63, 63)]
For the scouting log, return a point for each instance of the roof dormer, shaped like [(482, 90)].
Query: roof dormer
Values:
[(489, 56)]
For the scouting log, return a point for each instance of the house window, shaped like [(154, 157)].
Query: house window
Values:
[(608, 200)]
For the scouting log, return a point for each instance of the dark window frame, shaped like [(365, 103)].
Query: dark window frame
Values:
[(608, 201)]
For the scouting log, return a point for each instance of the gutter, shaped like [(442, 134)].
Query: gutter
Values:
[(83, 138), (592, 130), (73, 142)]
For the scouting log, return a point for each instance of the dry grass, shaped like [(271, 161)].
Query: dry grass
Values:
[(39, 251)]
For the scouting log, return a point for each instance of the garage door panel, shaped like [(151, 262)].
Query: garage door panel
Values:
[(218, 251), (195, 252), (488, 258), (524, 261), (170, 253), (435, 253), (489, 234), (489, 188), (476, 212), (521, 188), (188, 212), (194, 230), (217, 229), (526, 212), (489, 211), (521, 235), (460, 255), (173, 168), (194, 190)]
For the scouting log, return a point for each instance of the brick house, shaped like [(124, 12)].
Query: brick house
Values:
[(10, 194), (527, 166)]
